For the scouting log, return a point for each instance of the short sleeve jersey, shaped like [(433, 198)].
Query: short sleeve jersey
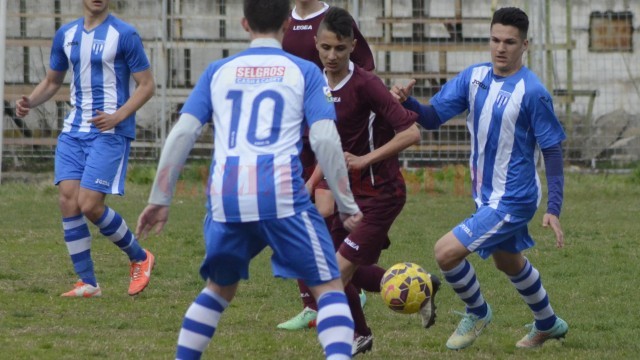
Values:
[(259, 100), (368, 117), (299, 40), (102, 62), (510, 119)]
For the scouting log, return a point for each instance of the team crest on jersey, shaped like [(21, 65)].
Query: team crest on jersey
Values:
[(329, 95), (503, 98), (98, 46), (259, 74)]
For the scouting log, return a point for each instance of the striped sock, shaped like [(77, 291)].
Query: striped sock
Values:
[(529, 285), (78, 240), (464, 282), (112, 226), (199, 324), (335, 325)]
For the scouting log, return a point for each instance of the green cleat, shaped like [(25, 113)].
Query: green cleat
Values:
[(468, 330), (537, 337), (306, 319), (363, 298)]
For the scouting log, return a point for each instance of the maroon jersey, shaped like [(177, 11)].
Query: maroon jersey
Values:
[(298, 40), (355, 98)]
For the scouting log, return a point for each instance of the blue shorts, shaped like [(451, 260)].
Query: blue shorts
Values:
[(301, 244), (98, 160), (489, 230)]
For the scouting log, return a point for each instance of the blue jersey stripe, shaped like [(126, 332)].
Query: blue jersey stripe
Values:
[(230, 188), (266, 186), (97, 75)]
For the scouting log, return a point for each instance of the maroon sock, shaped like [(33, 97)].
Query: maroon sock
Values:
[(368, 277), (360, 323), (306, 297)]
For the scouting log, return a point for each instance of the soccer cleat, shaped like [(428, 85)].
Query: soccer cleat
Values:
[(428, 309), (363, 298), (304, 320), (81, 289), (468, 330), (537, 337), (361, 344), (140, 273)]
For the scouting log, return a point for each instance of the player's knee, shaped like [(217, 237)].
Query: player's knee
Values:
[(448, 254)]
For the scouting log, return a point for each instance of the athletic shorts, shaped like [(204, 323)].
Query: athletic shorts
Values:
[(365, 243), (489, 230), (302, 249), (98, 160)]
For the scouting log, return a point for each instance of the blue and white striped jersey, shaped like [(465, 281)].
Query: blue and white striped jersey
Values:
[(260, 100), (102, 62), (510, 119)]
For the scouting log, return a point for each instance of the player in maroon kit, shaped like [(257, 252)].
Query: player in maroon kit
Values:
[(371, 144), (299, 40)]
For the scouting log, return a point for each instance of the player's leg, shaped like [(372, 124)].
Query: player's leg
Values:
[(69, 165), (306, 236), (459, 273), (526, 279), (201, 319), (334, 322), (229, 249), (105, 173)]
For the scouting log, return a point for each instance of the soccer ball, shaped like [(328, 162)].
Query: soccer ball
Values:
[(405, 287)]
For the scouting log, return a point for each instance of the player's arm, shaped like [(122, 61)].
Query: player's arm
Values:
[(174, 154), (427, 116), (325, 143), (555, 187), (145, 88), (399, 142), (41, 93)]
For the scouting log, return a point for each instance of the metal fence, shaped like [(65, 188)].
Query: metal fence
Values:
[(585, 51)]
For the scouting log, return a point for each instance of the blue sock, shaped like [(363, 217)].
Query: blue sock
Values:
[(78, 240), (335, 325), (464, 282), (529, 285), (199, 324), (115, 229)]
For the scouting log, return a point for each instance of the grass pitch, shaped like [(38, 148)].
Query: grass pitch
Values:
[(592, 283)]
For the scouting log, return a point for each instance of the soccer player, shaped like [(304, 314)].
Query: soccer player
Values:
[(299, 40), (111, 79), (510, 117), (259, 101), (371, 144)]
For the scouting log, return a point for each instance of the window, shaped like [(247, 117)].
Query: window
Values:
[(611, 31)]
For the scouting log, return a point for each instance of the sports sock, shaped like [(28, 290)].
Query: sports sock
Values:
[(529, 285), (112, 226), (353, 299), (78, 240), (199, 324), (368, 277), (335, 325), (464, 282), (305, 295)]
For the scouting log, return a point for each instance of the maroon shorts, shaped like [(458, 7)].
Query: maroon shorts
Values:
[(364, 245)]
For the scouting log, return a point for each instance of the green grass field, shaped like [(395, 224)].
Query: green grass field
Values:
[(592, 283)]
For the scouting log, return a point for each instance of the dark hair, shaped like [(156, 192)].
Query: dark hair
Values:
[(338, 21), (512, 16), (266, 16)]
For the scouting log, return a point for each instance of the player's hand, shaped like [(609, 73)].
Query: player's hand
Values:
[(554, 222), (23, 105), (152, 216), (355, 162), (401, 93), (104, 121), (350, 221)]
